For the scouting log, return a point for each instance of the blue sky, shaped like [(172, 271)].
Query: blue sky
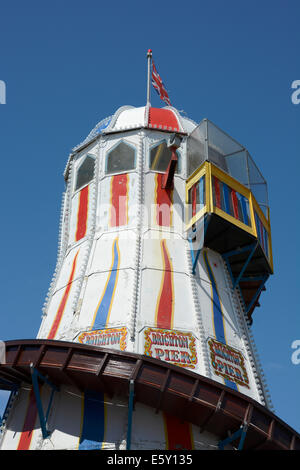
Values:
[(69, 64)]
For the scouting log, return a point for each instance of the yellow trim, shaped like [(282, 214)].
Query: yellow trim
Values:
[(233, 220), (232, 182), (197, 175), (267, 226), (253, 224), (115, 286), (106, 283), (163, 242), (261, 215), (208, 187), (209, 170), (196, 217)]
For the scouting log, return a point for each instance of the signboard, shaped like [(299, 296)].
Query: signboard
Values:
[(109, 337), (228, 363), (175, 347)]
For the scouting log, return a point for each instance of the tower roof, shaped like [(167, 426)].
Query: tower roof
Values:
[(129, 117)]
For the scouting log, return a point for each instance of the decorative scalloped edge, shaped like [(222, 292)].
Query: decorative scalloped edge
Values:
[(198, 314), (115, 117), (94, 132), (9, 406), (139, 245), (62, 244), (249, 342), (179, 117)]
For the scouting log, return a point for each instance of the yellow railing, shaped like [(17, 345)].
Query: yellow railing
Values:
[(226, 197)]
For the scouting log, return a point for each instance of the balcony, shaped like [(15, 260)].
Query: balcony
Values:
[(227, 209)]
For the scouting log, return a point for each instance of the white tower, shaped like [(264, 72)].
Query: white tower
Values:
[(164, 250)]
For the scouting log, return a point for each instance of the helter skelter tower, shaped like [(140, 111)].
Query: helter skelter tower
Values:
[(145, 340)]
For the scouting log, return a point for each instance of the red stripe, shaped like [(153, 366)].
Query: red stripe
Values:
[(119, 196), (63, 302), (165, 304), (82, 213), (163, 199), (164, 118), (29, 422), (235, 204), (217, 192), (178, 433)]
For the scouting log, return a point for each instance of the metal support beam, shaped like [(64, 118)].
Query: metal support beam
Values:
[(238, 251), (130, 411), (35, 374), (257, 293), (240, 433), (245, 265), (195, 258)]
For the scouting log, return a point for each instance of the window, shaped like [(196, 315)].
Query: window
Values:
[(120, 158), (85, 172), (160, 156)]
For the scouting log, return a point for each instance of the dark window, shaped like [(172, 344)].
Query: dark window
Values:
[(160, 157), (85, 172), (120, 158)]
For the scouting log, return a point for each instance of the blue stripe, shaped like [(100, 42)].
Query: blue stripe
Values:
[(217, 311), (226, 198), (244, 208), (92, 432), (201, 192), (102, 313), (217, 315)]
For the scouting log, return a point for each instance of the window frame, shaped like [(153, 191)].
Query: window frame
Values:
[(76, 190), (129, 144), (179, 153)]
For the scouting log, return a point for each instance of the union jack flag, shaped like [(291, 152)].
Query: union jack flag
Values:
[(159, 86)]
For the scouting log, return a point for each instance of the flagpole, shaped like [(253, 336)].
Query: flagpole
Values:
[(149, 56)]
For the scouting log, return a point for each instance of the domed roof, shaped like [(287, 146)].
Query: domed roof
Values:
[(129, 117)]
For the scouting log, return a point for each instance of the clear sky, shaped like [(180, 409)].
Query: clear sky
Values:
[(69, 64)]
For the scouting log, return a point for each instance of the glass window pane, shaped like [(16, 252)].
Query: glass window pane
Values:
[(196, 198), (237, 167), (85, 172), (160, 157), (121, 158), (196, 148)]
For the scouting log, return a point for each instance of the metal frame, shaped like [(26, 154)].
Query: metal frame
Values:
[(240, 433), (35, 374), (130, 411), (209, 170), (240, 278), (185, 394), (195, 258), (256, 295)]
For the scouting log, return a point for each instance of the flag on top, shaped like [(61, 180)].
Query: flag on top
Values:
[(159, 86)]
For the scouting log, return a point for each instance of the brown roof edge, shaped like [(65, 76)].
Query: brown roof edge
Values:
[(185, 394)]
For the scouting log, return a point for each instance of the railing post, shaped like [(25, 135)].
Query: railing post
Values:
[(130, 411)]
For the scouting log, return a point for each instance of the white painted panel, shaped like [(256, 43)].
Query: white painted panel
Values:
[(119, 304), (56, 302)]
